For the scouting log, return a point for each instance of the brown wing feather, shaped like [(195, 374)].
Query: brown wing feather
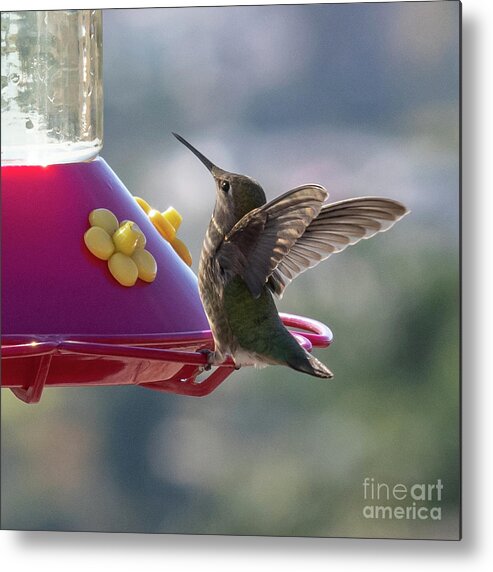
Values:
[(337, 226), (262, 238)]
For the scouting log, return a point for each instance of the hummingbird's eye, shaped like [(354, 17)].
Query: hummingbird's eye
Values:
[(225, 186)]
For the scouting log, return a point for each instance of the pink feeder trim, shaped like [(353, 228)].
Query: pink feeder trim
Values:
[(169, 363)]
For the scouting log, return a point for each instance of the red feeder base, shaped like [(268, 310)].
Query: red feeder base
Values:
[(169, 363)]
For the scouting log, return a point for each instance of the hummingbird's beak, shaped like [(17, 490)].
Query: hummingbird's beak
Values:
[(210, 166)]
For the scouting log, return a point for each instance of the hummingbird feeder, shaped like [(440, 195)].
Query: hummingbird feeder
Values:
[(92, 294)]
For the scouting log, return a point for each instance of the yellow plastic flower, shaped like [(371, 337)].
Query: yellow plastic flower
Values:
[(167, 224), (122, 245)]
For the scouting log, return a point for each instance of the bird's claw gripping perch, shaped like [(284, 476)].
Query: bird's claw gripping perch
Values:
[(209, 354), (212, 359)]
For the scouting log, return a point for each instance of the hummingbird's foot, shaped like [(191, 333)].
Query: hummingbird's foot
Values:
[(207, 354), (212, 358)]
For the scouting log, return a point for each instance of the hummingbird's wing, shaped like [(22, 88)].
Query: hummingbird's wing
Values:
[(262, 238), (337, 226)]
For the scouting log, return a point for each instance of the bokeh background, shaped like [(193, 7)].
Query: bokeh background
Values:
[(364, 99)]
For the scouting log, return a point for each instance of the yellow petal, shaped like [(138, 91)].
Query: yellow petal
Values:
[(182, 250), (146, 265), (173, 216), (144, 205), (105, 219), (99, 242), (123, 269), (165, 228)]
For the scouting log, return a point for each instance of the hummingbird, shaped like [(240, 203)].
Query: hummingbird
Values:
[(253, 249)]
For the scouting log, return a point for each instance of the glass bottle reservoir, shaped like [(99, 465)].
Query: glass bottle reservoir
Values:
[(51, 86)]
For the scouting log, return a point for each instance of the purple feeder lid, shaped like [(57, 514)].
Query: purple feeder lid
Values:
[(66, 320)]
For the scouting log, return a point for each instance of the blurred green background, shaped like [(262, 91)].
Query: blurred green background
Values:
[(364, 99)]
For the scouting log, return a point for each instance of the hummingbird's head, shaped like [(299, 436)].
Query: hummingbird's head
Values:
[(236, 195)]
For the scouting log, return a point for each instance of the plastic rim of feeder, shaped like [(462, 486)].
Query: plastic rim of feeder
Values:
[(31, 363)]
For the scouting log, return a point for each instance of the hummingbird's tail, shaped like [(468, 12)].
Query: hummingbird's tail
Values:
[(311, 365)]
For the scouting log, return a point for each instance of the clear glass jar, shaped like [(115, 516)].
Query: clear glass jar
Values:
[(52, 91)]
